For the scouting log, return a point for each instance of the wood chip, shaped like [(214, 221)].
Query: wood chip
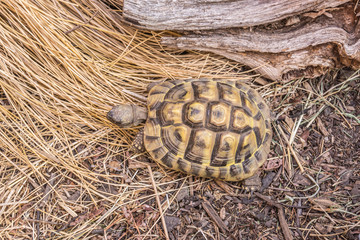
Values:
[(171, 222), (321, 127), (214, 216), (224, 186)]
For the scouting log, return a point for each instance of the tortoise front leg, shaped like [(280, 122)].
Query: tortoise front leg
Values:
[(138, 143)]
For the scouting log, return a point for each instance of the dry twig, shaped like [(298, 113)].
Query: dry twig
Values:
[(158, 202), (281, 215)]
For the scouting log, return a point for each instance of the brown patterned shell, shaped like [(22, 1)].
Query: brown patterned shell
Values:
[(208, 128)]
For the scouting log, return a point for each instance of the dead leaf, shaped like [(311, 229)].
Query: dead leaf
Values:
[(147, 207), (115, 165), (261, 81), (222, 213), (308, 87), (292, 20), (301, 180), (322, 204), (319, 13), (305, 135), (133, 164), (327, 157), (273, 164), (289, 122), (126, 213), (321, 228), (350, 108), (89, 215), (126, 178)]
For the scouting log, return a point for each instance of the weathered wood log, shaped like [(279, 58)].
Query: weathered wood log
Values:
[(306, 49), (304, 45), (214, 14)]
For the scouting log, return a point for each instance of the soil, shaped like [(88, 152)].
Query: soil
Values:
[(322, 202)]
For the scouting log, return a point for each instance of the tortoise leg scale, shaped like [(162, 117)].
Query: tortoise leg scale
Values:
[(138, 143)]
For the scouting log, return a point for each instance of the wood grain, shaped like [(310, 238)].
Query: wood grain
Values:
[(306, 49), (215, 14), (303, 45)]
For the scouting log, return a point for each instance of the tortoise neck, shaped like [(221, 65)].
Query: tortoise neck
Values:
[(140, 114)]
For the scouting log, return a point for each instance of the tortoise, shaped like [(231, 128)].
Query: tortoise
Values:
[(205, 127)]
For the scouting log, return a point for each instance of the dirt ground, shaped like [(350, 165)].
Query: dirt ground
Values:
[(322, 202)]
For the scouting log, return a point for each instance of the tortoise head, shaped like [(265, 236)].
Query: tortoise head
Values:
[(127, 115)]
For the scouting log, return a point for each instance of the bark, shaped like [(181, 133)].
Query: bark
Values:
[(213, 14), (305, 45)]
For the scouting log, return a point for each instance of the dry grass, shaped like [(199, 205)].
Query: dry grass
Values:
[(64, 171), (57, 82)]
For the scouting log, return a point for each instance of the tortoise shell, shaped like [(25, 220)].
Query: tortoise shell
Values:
[(209, 128)]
